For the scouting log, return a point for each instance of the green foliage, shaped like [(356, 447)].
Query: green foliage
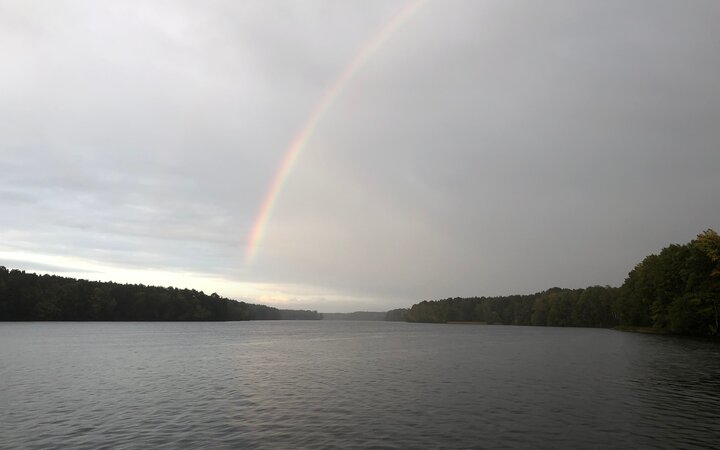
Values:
[(299, 314), (28, 296), (708, 242), (676, 291), (591, 307), (397, 315)]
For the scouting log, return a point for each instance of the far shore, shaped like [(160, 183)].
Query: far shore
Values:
[(644, 330), (459, 322)]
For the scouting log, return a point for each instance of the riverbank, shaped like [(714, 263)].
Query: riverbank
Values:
[(466, 323), (644, 330)]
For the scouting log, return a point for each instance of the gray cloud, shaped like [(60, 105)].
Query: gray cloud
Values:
[(524, 147), (486, 148)]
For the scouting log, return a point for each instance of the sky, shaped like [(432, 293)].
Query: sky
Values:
[(356, 155)]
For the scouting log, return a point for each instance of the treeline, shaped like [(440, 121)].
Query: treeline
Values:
[(397, 315), (676, 291), (29, 296), (299, 314), (591, 307), (357, 315)]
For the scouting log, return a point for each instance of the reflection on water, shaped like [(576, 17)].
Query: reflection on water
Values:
[(353, 384)]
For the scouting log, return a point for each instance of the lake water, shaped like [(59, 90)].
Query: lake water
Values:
[(353, 385)]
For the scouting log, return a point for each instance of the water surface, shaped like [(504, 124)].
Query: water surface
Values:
[(353, 384)]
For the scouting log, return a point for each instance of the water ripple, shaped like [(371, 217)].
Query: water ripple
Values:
[(352, 385)]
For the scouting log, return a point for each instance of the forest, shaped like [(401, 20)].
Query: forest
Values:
[(676, 291), (29, 296)]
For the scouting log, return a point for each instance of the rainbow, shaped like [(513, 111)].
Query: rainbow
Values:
[(301, 138)]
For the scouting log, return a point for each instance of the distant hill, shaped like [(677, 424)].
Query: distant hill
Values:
[(357, 315)]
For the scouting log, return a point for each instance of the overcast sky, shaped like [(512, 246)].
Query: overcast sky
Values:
[(485, 148)]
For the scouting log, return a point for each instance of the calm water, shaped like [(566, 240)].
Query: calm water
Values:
[(353, 385)]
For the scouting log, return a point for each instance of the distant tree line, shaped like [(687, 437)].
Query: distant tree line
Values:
[(299, 314), (591, 307), (29, 296), (676, 291), (357, 315), (397, 315)]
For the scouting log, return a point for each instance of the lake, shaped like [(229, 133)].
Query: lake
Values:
[(330, 384)]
